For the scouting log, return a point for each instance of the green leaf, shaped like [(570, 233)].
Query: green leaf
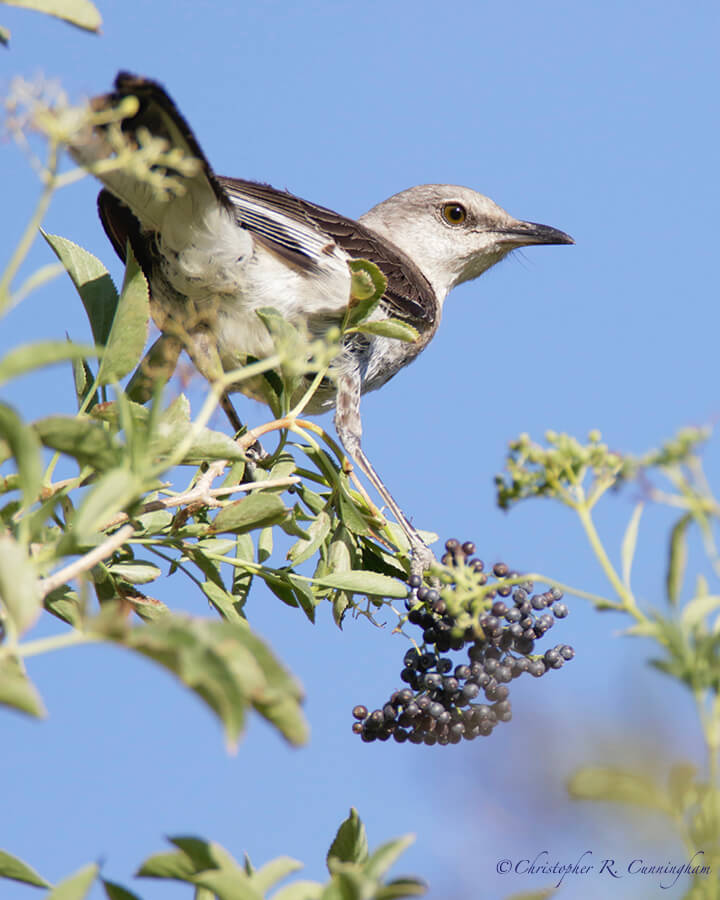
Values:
[(81, 13), (80, 437), (117, 891), (360, 582), (19, 588), (682, 786), (265, 545), (227, 885), (77, 886), (629, 542), (93, 283), (15, 869), (607, 785), (109, 495), (136, 571), (267, 876), (155, 368), (406, 887), (42, 353), (367, 285), (350, 844), (300, 890), (256, 511), (204, 854), (64, 603), (25, 449), (304, 549), (223, 601), (389, 328), (694, 612), (386, 855), (16, 689), (304, 596), (84, 381), (128, 333), (677, 558), (4, 36), (206, 445), (227, 666)]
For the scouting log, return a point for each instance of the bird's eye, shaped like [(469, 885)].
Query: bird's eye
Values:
[(454, 213)]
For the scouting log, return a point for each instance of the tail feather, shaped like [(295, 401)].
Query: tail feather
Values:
[(159, 116)]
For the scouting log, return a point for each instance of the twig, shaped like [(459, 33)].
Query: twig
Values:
[(207, 496), (85, 563)]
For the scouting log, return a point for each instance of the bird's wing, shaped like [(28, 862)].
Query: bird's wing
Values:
[(305, 233)]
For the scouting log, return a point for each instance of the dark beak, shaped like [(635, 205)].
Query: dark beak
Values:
[(523, 234)]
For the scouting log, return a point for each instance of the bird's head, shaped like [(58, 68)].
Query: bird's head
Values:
[(452, 233)]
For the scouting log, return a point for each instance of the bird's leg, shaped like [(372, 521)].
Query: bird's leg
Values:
[(348, 425), (255, 452)]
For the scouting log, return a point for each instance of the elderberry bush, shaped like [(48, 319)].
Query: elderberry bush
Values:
[(498, 619)]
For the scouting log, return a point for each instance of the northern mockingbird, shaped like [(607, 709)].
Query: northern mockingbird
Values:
[(222, 248)]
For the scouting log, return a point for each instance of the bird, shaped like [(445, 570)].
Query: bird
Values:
[(215, 250)]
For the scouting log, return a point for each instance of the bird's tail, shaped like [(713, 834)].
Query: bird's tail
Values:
[(146, 155)]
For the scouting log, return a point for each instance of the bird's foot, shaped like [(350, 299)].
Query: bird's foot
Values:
[(256, 453)]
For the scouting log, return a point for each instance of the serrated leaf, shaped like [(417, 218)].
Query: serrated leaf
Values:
[(256, 511), (677, 558), (30, 357), (19, 586), (81, 13), (92, 281), (16, 689), (129, 330), (80, 437), (16, 870), (361, 582), (77, 886), (115, 891), (619, 786), (389, 328), (318, 531), (350, 844), (25, 448), (386, 855), (629, 542)]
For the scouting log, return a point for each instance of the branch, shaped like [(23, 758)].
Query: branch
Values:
[(85, 563)]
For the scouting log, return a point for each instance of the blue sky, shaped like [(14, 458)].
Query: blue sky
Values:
[(599, 119)]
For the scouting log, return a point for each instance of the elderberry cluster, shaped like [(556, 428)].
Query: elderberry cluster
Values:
[(444, 702)]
